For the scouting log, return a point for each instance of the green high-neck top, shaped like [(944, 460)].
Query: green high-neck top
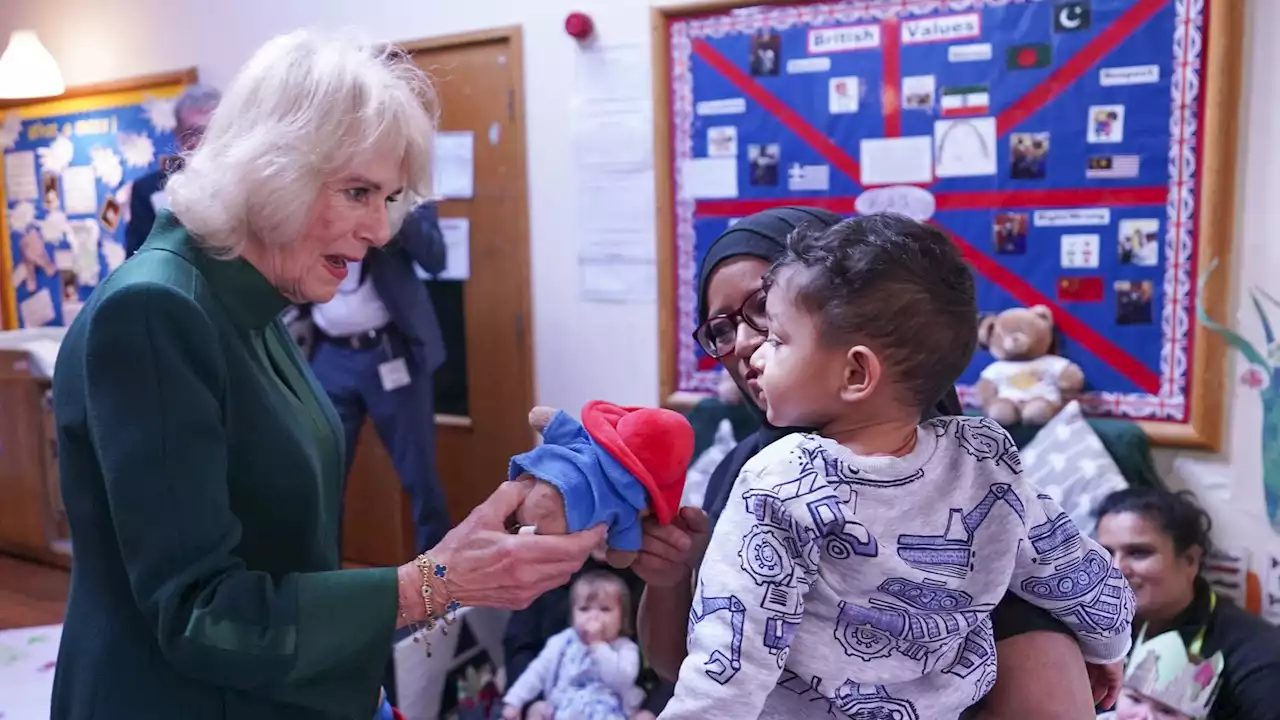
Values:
[(201, 468)]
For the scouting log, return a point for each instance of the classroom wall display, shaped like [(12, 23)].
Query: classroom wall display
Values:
[(69, 165), (1079, 152)]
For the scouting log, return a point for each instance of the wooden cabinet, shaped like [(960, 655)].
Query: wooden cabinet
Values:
[(32, 520)]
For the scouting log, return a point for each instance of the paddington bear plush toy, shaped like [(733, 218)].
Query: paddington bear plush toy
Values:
[(616, 466)]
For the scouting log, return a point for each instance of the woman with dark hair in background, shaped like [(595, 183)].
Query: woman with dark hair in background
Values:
[(1041, 672), (1159, 540)]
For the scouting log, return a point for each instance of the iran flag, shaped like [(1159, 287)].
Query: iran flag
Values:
[(966, 101)]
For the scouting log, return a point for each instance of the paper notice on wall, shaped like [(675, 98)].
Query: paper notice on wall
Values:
[(612, 156), (454, 165), (612, 72), (612, 135), (618, 280), (1072, 216), (21, 216), (615, 212), (965, 147), (37, 310), (112, 254), (84, 236), (457, 246), (10, 129), (896, 161), (80, 190), (70, 310), (709, 178), (20, 181)]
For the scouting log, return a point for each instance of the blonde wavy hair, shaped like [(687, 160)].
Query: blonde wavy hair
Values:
[(306, 107)]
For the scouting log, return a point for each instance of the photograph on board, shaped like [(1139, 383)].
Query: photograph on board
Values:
[(50, 190), (766, 53), (722, 141), (764, 163), (1106, 124), (1133, 302), (1139, 242), (110, 213), (1009, 234), (1028, 155), (918, 92)]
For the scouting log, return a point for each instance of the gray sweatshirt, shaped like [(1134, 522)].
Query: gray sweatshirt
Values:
[(863, 586)]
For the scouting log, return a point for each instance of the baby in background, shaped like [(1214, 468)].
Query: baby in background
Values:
[(854, 569), (587, 671)]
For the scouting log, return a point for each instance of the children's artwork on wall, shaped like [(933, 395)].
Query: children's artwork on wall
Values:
[(1227, 570), (1088, 147), (1261, 374), (69, 165)]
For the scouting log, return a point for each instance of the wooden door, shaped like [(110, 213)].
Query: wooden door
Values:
[(485, 389)]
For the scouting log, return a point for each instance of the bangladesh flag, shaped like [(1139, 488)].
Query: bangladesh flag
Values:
[(1029, 57)]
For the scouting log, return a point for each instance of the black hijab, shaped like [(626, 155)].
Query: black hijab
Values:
[(763, 235)]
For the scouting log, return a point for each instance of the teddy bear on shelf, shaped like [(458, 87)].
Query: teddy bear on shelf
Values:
[(615, 467), (1026, 383)]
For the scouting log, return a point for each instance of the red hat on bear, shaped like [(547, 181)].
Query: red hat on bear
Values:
[(654, 444)]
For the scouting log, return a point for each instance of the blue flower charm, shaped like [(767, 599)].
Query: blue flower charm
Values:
[(454, 606), (441, 570)]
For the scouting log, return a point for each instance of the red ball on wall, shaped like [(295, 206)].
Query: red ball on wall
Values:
[(579, 25)]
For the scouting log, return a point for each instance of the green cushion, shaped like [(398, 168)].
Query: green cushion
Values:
[(705, 417)]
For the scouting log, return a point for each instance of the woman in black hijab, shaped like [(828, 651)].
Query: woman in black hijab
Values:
[(1041, 673)]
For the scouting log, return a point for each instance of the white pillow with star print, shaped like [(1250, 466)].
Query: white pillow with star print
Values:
[(1067, 460)]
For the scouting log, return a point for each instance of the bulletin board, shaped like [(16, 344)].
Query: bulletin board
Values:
[(1080, 153), (69, 165)]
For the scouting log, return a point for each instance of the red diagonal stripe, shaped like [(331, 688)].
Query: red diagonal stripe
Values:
[(838, 158), (980, 200), (891, 88), (1106, 41), (1082, 197), (1144, 377), (743, 208)]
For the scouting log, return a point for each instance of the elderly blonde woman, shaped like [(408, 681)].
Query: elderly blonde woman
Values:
[(201, 464)]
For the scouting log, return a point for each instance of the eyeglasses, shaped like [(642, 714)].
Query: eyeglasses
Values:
[(719, 334)]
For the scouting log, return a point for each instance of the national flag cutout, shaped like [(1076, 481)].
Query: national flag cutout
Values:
[(1081, 289), (968, 100), (1071, 16), (1033, 56), (813, 178), (1112, 166)]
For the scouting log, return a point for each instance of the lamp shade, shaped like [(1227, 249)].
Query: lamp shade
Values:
[(27, 69)]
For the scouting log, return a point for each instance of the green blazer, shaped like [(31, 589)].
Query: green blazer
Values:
[(202, 471)]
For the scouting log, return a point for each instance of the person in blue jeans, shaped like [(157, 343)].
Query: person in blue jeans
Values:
[(377, 346)]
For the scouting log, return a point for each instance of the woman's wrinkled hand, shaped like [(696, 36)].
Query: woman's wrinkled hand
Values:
[(669, 553), (491, 567)]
